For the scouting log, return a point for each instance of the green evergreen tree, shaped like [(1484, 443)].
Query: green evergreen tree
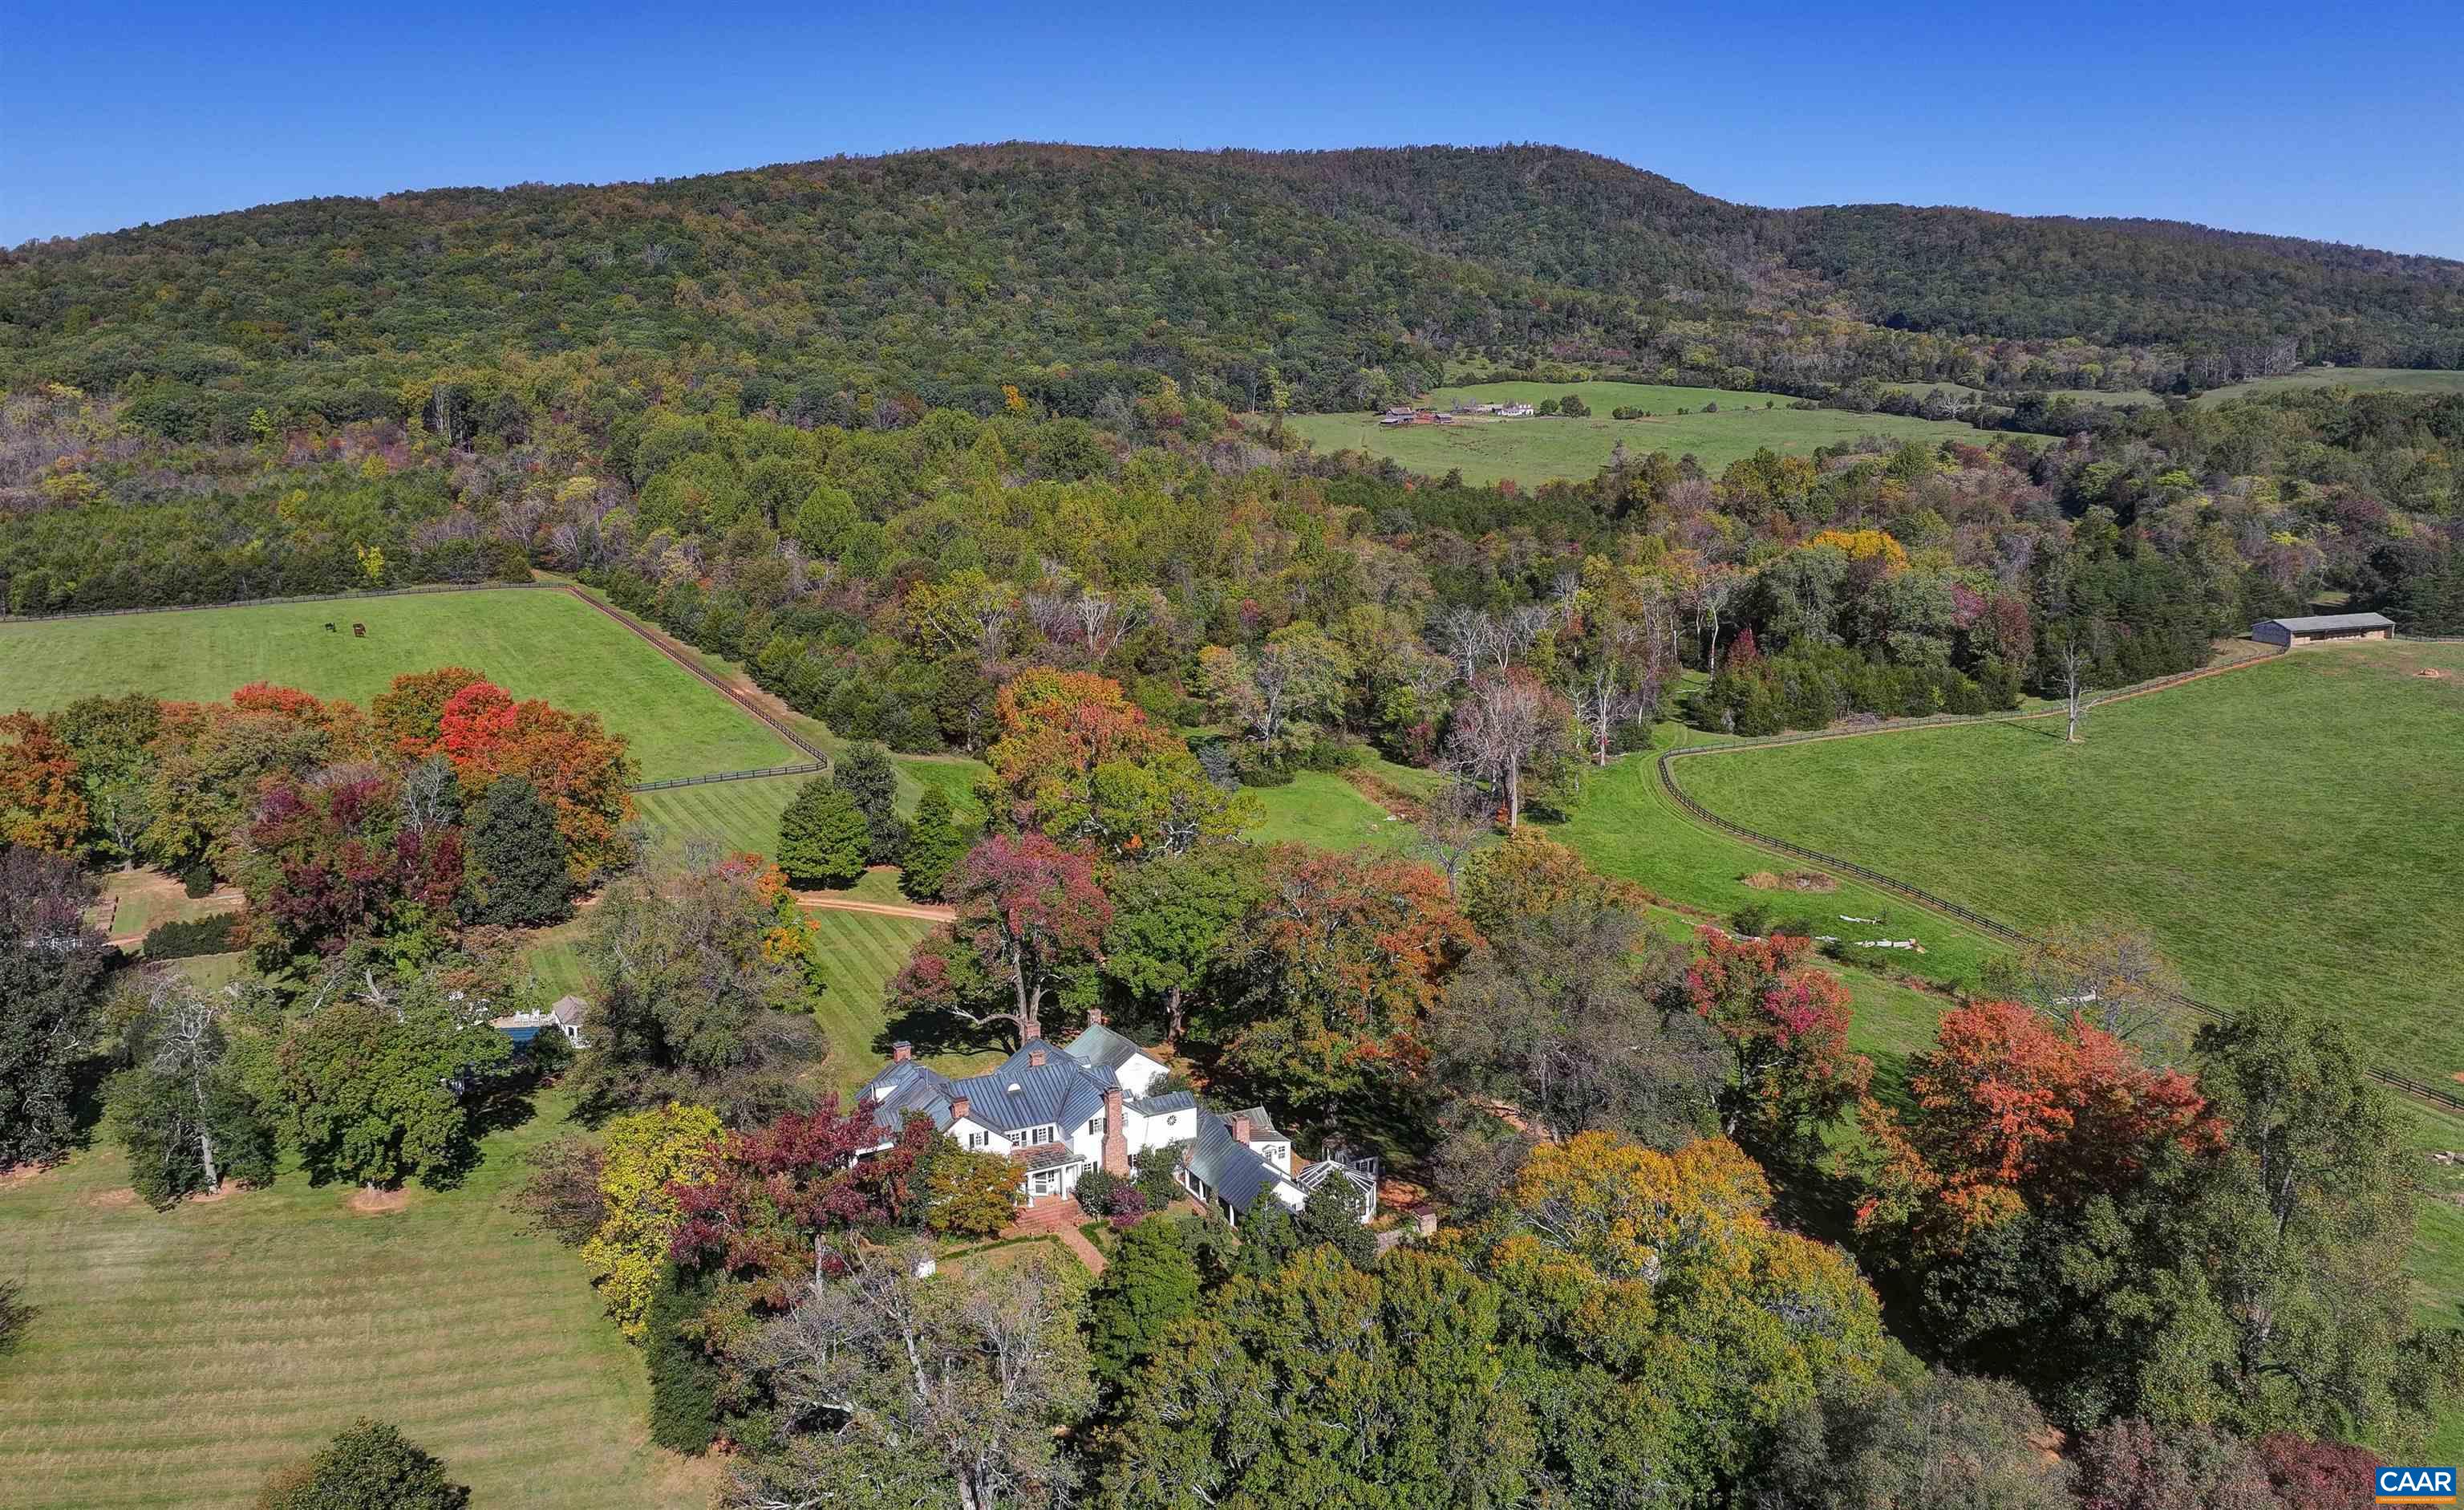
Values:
[(822, 837), (934, 847), (517, 862), (369, 1466), (1270, 1238), (1151, 1283), (1332, 1215), (864, 773), (684, 1381)]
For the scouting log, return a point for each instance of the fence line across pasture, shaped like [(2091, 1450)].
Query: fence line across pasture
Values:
[(776, 725), (354, 595), (800, 768), (1991, 926)]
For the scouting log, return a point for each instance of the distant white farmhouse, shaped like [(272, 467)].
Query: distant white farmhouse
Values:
[(1516, 412), (1060, 1112)]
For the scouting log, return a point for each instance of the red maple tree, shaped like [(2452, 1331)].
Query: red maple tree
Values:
[(2015, 1111)]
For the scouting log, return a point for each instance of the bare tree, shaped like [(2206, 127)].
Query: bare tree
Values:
[(1604, 701), (1519, 632), (1450, 827), (1464, 634), (1507, 724), (2075, 699), (1712, 597), (426, 795), (1568, 594), (2108, 973), (185, 1029), (902, 1386)]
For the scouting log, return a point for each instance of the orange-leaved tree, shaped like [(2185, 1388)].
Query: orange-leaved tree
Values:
[(576, 765), (40, 805), (1342, 960), (2015, 1111), (1079, 762)]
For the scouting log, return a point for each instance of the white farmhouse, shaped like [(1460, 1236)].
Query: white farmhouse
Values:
[(1059, 1112)]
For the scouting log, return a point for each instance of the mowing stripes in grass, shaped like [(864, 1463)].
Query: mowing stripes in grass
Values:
[(177, 1358), (860, 952), (735, 816)]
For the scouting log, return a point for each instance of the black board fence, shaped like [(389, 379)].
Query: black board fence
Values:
[(807, 767)]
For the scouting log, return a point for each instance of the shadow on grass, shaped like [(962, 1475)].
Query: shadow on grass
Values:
[(938, 1032), (2043, 728)]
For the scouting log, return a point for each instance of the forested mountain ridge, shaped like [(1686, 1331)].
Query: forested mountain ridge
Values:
[(852, 290)]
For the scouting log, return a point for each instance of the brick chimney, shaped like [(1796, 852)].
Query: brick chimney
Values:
[(1094, 1016), (1241, 1128), (959, 1106), (1116, 1135), (901, 1052), (1035, 1058)]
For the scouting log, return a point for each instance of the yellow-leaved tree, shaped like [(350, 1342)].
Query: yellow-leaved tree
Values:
[(645, 1154), (1682, 1324)]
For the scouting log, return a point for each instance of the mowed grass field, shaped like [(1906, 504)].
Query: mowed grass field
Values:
[(175, 1359), (1533, 451), (2289, 831), (533, 643), (860, 952), (743, 815), (1320, 808)]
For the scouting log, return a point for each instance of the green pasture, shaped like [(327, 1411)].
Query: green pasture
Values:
[(2372, 380), (177, 1358), (535, 644), (1321, 808), (1533, 451), (2288, 832)]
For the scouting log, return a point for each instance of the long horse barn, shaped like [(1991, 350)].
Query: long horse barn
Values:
[(2289, 632)]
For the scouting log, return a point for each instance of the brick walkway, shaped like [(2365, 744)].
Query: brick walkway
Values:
[(1058, 1216)]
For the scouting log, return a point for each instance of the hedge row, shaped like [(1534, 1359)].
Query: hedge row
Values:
[(178, 941)]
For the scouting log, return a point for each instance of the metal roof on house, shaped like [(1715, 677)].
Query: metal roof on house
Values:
[(1165, 1105), (1017, 1094), (1261, 1125), (906, 1086), (1230, 1167), (1013, 1095), (1101, 1048), (2332, 621)]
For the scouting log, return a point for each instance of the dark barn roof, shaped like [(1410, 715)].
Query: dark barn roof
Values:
[(2316, 623)]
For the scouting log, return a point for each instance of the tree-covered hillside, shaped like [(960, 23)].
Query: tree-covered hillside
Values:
[(863, 291)]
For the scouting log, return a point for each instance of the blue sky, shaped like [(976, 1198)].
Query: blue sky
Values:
[(2258, 117)]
